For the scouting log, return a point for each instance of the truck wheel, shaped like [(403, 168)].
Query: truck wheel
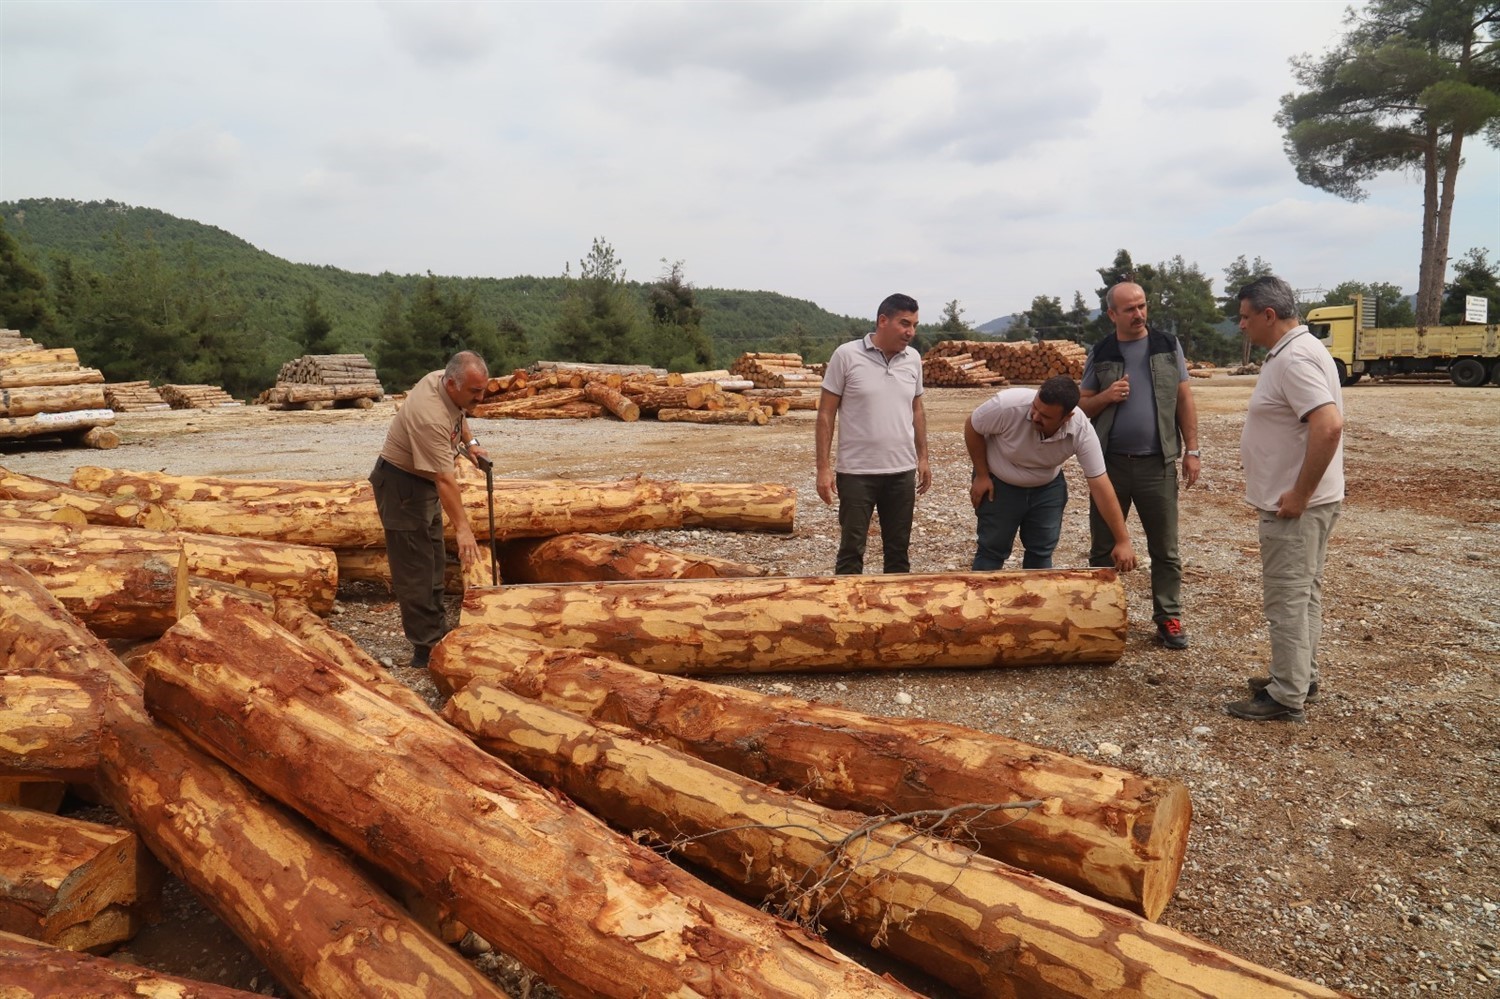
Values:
[(1495, 374), (1467, 373), (1343, 371)]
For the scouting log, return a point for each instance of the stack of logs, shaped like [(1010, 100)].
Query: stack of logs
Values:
[(1020, 361), (776, 371), (320, 381), (44, 393), (133, 397), (627, 392), (197, 397), (958, 371), (262, 745)]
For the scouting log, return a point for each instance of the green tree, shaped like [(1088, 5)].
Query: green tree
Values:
[(1078, 317), (1473, 275), (1184, 305), (316, 327), (1236, 276), (1392, 306), (1123, 269), (1406, 85), (24, 304), (600, 320), (1045, 318), (675, 337), (397, 357), (954, 326)]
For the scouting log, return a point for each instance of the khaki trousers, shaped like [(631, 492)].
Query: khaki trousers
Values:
[(1292, 553)]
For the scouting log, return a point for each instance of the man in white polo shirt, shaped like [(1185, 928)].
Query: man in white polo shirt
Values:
[(875, 384), (1018, 442), (1292, 449)]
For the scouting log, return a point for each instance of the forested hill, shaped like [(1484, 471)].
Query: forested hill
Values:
[(98, 260)]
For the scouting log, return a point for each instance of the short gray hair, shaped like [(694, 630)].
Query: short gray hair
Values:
[(1271, 292), (462, 362)]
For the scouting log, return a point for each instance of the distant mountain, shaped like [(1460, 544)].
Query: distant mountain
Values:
[(275, 290), (996, 327)]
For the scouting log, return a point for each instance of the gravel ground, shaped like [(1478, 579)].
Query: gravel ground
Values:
[(1361, 850)]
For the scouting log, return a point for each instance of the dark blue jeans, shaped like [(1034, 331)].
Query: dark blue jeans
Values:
[(1035, 512), (894, 498)]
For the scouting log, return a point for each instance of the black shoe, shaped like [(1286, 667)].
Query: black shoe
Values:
[(419, 656), (1169, 630), (1264, 707), (1259, 683)]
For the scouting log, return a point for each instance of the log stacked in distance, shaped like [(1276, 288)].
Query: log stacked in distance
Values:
[(1019, 361), (318, 381), (44, 393), (197, 397), (776, 371), (134, 397), (958, 371)]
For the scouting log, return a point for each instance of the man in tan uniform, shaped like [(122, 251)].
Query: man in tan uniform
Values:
[(415, 485)]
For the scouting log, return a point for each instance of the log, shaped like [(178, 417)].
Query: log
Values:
[(32, 970), (981, 926), (372, 565), (13, 509), (127, 593), (613, 400), (591, 912), (563, 411), (701, 626), (25, 376), (1103, 831), (307, 573), (541, 400), (39, 795), (751, 417), (99, 438), (307, 911), (96, 509), (50, 399), (49, 728), (54, 424), (10, 360), (651, 398), (572, 558), (314, 632), (73, 884)]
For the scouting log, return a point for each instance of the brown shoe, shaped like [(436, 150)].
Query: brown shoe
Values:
[(1264, 707), (1259, 683)]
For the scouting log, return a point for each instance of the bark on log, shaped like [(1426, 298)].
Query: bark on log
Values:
[(1101, 830), (31, 970), (651, 398), (613, 400), (13, 359), (50, 399), (25, 376), (304, 572), (308, 912), (562, 411), (981, 926), (71, 883), (99, 438), (372, 565), (55, 424), (748, 417), (593, 913), (574, 558), (49, 727), (299, 620), (965, 619), (13, 509), (97, 509), (128, 593)]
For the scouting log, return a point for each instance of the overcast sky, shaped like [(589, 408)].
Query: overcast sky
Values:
[(987, 152)]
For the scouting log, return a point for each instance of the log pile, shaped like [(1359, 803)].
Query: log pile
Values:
[(134, 397), (776, 371), (1019, 361), (958, 371), (197, 397), (44, 393), (319, 381)]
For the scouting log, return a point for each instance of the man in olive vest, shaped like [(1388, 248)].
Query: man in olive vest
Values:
[(1135, 389)]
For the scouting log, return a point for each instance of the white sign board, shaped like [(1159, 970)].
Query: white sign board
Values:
[(1476, 309)]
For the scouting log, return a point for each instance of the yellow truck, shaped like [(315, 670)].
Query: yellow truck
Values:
[(1470, 354)]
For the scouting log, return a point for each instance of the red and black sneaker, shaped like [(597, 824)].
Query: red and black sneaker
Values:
[(1169, 630)]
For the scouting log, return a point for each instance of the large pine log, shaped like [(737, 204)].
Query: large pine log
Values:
[(591, 912), (49, 727), (71, 883), (127, 593), (650, 398), (612, 400), (25, 357), (572, 558), (341, 514), (97, 509), (304, 572), (32, 970), (963, 619), (981, 926), (308, 912), (14, 509), (50, 399), (40, 795), (1107, 832), (749, 417), (25, 376), (55, 424)]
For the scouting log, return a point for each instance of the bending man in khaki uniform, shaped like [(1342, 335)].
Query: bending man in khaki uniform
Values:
[(415, 486)]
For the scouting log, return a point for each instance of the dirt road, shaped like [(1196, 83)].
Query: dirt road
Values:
[(1361, 850)]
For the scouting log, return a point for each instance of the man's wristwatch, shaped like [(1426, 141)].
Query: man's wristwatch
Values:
[(474, 442), (1194, 454)]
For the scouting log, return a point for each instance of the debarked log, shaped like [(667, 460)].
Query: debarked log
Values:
[(95, 508), (307, 911), (373, 565), (612, 400), (305, 572), (49, 727), (981, 926), (591, 912), (572, 558), (36, 399), (1107, 832), (72, 883), (754, 416), (126, 593), (963, 619), (53, 424), (32, 970)]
